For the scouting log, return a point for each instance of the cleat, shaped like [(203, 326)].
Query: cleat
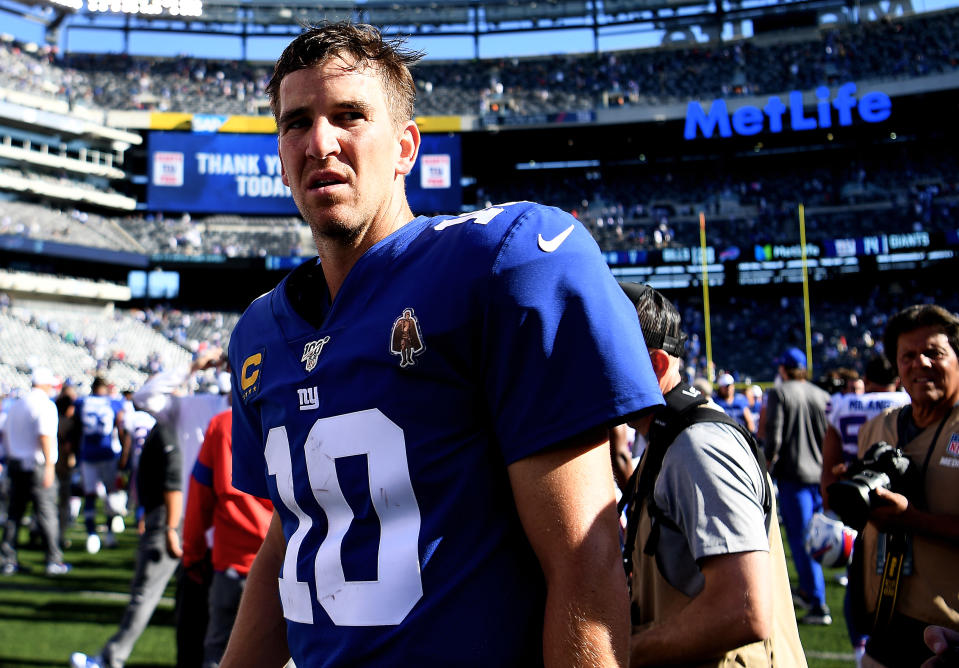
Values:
[(58, 568), (81, 660), (818, 615), (93, 543)]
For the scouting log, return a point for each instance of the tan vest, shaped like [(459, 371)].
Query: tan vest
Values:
[(658, 601), (931, 593)]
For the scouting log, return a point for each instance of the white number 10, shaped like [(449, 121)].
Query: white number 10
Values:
[(388, 599)]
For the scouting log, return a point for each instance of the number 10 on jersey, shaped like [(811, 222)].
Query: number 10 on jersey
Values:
[(388, 599)]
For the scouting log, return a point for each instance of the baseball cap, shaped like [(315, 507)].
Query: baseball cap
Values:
[(792, 358), (658, 318), (725, 380), (42, 376)]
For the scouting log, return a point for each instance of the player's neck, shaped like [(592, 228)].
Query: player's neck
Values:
[(337, 256), (927, 413)]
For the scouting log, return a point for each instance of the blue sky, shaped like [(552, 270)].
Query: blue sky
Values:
[(268, 49)]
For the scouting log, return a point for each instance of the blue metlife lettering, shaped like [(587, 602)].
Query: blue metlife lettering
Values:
[(873, 107)]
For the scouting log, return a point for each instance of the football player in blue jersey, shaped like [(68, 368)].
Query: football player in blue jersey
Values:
[(99, 425), (426, 404)]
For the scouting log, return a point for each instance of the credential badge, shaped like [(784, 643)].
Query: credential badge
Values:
[(311, 352), (406, 339), (953, 447)]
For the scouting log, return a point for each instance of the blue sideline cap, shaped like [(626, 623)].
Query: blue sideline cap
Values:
[(793, 358)]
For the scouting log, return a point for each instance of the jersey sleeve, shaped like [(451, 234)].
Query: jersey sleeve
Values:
[(249, 461), (711, 486), (563, 350)]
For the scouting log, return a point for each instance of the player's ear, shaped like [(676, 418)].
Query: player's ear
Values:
[(409, 142), (283, 176), (660, 361)]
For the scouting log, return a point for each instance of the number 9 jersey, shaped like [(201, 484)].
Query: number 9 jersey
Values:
[(382, 426)]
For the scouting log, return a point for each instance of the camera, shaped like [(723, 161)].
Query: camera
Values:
[(883, 465)]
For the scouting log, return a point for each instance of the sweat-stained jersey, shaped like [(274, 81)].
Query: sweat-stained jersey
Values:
[(98, 419), (850, 411), (382, 432)]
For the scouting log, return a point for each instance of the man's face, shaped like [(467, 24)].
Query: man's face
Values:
[(340, 150), (725, 391), (928, 366)]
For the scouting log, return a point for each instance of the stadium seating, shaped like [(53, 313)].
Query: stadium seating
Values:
[(887, 50)]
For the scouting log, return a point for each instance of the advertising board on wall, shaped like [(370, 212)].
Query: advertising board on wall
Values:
[(215, 172)]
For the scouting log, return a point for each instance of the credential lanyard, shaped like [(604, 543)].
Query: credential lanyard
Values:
[(896, 546)]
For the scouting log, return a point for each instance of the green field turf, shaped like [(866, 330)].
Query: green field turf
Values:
[(44, 619)]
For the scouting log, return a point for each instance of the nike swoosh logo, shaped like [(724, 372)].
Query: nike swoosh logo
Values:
[(549, 245)]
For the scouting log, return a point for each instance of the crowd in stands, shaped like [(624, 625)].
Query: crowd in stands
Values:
[(625, 207), (124, 346), (629, 207), (70, 226), (232, 236), (888, 49)]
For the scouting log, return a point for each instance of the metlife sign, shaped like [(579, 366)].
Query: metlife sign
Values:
[(842, 109), (213, 172)]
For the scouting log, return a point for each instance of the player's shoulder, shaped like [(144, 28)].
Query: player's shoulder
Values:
[(894, 399), (538, 227), (708, 441), (840, 402), (221, 423)]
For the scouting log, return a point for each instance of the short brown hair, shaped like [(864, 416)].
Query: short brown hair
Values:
[(912, 318), (366, 46)]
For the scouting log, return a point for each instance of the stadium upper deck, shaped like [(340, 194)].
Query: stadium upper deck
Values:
[(909, 47)]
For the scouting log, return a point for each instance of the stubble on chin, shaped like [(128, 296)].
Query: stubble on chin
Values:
[(327, 229)]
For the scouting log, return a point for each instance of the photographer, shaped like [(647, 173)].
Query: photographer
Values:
[(910, 546)]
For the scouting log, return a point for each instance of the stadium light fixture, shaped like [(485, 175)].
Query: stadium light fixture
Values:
[(147, 7)]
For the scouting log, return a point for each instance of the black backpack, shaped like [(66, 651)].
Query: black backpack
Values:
[(685, 406)]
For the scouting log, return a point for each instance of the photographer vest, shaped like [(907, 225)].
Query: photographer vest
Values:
[(654, 600), (929, 586)]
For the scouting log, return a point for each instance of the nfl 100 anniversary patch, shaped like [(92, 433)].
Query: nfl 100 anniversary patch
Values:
[(311, 353)]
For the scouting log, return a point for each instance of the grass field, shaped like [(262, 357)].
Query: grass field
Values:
[(44, 619)]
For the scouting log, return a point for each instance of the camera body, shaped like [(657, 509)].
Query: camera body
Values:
[(883, 465)]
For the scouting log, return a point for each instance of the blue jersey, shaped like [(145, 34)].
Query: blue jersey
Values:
[(98, 419), (381, 427), (735, 410)]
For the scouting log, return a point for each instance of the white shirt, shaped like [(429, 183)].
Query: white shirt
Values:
[(28, 419), (187, 415), (852, 411)]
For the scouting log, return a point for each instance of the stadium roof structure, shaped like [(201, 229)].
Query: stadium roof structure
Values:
[(421, 18)]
